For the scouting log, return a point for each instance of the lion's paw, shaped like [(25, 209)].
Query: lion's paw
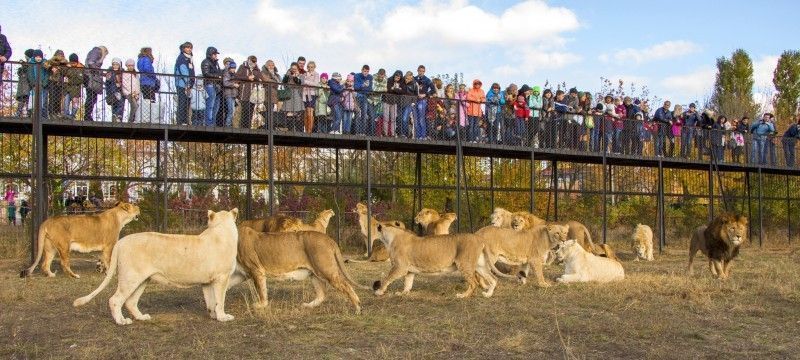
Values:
[(461, 295), (379, 292), (144, 317), (225, 317), (125, 321), (261, 304)]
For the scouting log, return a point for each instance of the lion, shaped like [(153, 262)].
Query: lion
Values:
[(361, 209), (275, 223), (81, 233), (642, 242), (207, 260), (293, 256), (435, 223), (521, 248), (577, 231), (583, 266), (502, 218), (436, 254), (720, 241), (320, 224)]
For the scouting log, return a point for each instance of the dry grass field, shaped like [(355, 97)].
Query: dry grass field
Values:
[(657, 312)]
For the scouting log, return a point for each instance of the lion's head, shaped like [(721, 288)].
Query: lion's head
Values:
[(564, 249), (361, 209), (730, 228), (641, 237), (126, 212), (426, 216), (223, 217), (557, 233), (326, 215), (501, 217)]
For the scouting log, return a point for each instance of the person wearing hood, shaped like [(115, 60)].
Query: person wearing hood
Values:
[(184, 82), (230, 90), (56, 67), (379, 87), (535, 104), (493, 100), (73, 78), (335, 101), (250, 77), (93, 79), (475, 99), (131, 89), (790, 142), (114, 95), (212, 76), (390, 102), (522, 114), (23, 86), (37, 75)]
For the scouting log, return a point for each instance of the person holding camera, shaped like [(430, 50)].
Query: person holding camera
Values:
[(760, 130)]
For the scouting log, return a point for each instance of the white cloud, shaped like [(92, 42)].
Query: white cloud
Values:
[(763, 70), (665, 50), (695, 84)]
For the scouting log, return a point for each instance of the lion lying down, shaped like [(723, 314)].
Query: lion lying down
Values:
[(583, 266), (207, 259), (437, 254), (293, 256)]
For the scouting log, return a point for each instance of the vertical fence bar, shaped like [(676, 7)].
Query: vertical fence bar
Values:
[(554, 180), (710, 193), (248, 211), (749, 206), (491, 183), (533, 183), (788, 212), (369, 201), (271, 151), (459, 159), (159, 175), (40, 164), (661, 208), (336, 194), (760, 210), (164, 178)]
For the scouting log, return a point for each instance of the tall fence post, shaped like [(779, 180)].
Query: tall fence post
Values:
[(749, 206), (369, 201), (165, 182), (271, 150), (606, 170), (491, 183), (459, 159), (40, 164), (710, 194), (248, 211), (554, 180), (159, 175), (336, 194), (788, 212), (533, 182), (760, 209), (661, 208)]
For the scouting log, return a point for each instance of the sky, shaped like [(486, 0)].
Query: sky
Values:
[(669, 48)]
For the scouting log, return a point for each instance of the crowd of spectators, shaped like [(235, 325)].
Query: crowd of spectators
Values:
[(226, 93)]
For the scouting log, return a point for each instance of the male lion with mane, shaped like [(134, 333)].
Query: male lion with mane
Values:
[(182, 261), (435, 223), (81, 233), (293, 256), (720, 241), (436, 254)]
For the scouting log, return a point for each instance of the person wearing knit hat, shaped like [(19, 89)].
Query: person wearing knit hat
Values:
[(184, 82), (324, 76), (322, 110), (131, 88), (73, 78), (335, 102), (230, 91), (336, 76), (55, 65), (116, 61), (114, 91), (38, 75)]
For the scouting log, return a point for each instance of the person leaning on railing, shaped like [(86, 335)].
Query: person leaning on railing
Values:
[(184, 82), (23, 85), (38, 75), (689, 132), (73, 79), (251, 78), (790, 140), (147, 78), (131, 89), (760, 130), (294, 106), (5, 55), (55, 86)]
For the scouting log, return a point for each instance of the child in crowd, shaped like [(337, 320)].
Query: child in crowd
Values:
[(349, 104), (131, 89), (230, 92), (322, 111), (114, 96), (73, 79)]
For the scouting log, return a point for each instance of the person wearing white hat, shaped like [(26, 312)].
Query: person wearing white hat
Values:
[(131, 88)]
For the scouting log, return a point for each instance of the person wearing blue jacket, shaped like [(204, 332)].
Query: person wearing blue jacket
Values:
[(184, 81), (760, 130), (147, 77), (335, 102), (363, 86), (663, 117), (691, 119), (424, 88), (212, 75), (493, 99)]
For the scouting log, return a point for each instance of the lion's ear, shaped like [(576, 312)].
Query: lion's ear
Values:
[(397, 223), (210, 215), (126, 206), (235, 213), (117, 203), (380, 228), (742, 219)]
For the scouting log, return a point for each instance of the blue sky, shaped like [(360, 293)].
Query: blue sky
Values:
[(669, 47)]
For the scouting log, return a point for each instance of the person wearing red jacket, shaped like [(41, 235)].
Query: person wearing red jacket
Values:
[(521, 114), (475, 98)]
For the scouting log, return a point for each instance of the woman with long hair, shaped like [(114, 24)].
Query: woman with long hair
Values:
[(675, 129), (310, 84)]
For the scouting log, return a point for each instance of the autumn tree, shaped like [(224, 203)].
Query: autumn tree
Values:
[(787, 82), (733, 88)]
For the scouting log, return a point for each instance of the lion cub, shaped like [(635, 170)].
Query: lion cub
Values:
[(435, 223), (583, 266), (438, 254), (207, 259)]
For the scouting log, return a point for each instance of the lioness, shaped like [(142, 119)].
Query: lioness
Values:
[(293, 256), (207, 259), (435, 254), (521, 247), (81, 233), (320, 224), (720, 241), (275, 223), (642, 242), (583, 266), (576, 231), (435, 223), (361, 209)]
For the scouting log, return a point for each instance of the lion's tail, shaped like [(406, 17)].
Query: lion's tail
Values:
[(112, 269), (588, 236), (340, 261), (490, 261), (39, 250), (609, 253)]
